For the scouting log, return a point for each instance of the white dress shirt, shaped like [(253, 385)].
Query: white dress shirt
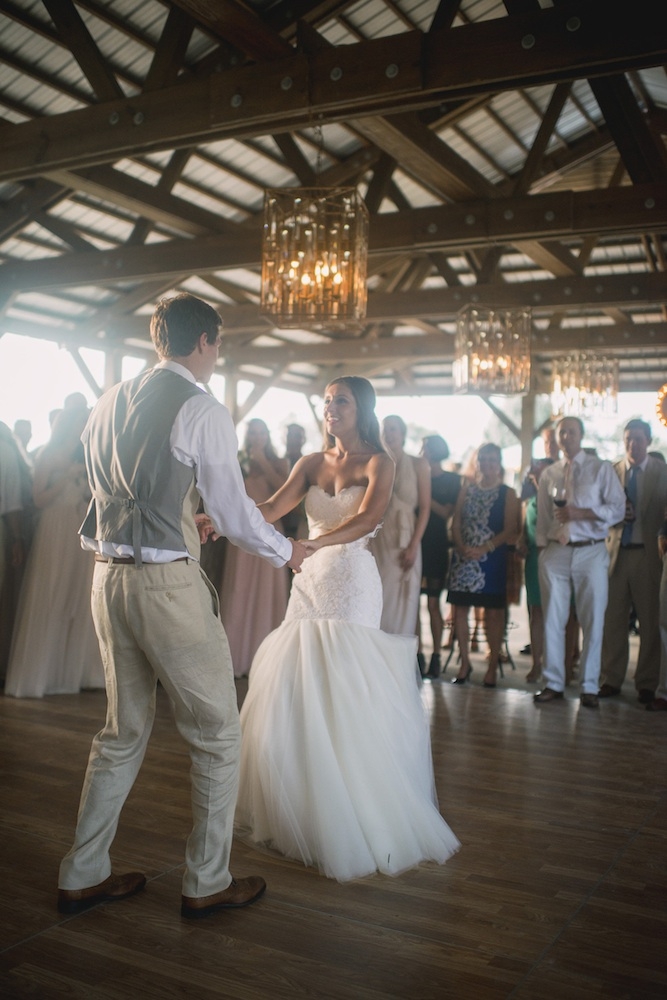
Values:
[(593, 484), (203, 437)]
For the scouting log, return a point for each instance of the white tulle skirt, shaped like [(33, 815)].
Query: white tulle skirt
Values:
[(336, 767)]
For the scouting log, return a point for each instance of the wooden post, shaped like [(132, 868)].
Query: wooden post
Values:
[(527, 428)]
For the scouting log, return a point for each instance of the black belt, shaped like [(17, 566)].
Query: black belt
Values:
[(589, 541), (129, 560), (633, 545)]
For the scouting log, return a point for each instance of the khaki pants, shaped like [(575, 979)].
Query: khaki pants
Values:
[(563, 570), (160, 622), (635, 580)]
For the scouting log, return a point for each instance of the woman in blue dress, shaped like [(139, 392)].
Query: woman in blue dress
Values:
[(486, 520)]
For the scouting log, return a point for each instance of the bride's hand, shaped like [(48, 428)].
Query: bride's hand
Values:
[(311, 545), (205, 528)]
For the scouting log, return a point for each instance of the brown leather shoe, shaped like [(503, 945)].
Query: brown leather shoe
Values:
[(589, 701), (545, 695), (114, 887), (608, 691), (241, 892), (657, 705)]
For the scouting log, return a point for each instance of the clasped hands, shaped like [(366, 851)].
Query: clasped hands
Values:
[(300, 549)]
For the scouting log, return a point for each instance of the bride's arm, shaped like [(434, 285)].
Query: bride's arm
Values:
[(380, 471), (292, 492)]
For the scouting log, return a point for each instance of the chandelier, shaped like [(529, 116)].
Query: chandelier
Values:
[(314, 253), (584, 383), (492, 351)]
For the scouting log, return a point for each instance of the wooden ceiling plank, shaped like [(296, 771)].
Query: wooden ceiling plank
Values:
[(204, 109), (81, 44)]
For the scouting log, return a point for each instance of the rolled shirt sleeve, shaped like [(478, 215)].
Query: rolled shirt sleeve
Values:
[(203, 437), (610, 508), (595, 486)]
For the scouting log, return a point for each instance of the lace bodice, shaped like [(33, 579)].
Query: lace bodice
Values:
[(339, 582)]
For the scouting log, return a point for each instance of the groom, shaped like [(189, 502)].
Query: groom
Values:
[(154, 446)]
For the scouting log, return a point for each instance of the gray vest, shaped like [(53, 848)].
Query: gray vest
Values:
[(142, 495)]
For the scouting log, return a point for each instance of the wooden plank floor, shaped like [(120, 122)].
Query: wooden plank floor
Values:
[(559, 890)]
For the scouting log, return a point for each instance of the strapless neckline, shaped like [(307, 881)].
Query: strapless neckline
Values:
[(333, 496)]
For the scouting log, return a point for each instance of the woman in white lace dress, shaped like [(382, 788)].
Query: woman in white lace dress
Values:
[(336, 766)]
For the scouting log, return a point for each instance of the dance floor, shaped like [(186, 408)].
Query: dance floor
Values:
[(559, 891)]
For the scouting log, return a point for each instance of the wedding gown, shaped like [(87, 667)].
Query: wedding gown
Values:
[(336, 767)]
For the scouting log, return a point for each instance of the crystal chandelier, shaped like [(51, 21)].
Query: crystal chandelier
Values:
[(492, 351), (584, 383), (314, 253)]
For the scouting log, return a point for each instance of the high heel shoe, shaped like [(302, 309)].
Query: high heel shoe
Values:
[(463, 680), (474, 644)]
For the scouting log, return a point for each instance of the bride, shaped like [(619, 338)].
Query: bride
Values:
[(336, 766)]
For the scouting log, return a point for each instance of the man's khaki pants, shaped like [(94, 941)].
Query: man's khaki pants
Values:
[(160, 622)]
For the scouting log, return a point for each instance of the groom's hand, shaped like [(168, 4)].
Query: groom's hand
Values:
[(298, 555)]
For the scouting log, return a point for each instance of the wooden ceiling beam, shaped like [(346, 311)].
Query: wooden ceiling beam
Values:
[(633, 338), (563, 214), (642, 152), (79, 41), (238, 25), (384, 75), (145, 200)]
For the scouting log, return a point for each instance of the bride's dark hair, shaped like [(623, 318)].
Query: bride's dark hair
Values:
[(367, 422)]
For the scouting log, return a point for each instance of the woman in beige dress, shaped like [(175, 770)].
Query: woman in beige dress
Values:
[(54, 647), (397, 546), (253, 594)]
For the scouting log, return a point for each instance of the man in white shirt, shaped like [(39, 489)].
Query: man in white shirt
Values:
[(635, 568), (155, 446), (579, 498)]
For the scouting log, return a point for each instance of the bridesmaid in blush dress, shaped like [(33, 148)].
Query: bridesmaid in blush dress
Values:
[(253, 594), (54, 647)]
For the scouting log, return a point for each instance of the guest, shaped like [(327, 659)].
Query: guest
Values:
[(635, 568), (294, 522), (573, 556), (435, 545), (22, 436), (659, 702), (528, 548), (54, 648), (485, 521), (11, 544), (550, 442), (253, 594), (397, 546)]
